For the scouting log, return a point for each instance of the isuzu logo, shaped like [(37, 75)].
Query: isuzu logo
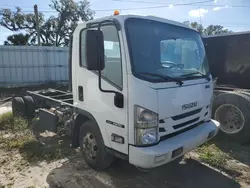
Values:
[(190, 105)]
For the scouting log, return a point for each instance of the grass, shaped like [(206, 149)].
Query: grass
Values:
[(212, 155), (15, 133), (17, 141), (11, 123), (35, 151)]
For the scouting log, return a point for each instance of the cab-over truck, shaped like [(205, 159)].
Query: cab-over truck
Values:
[(140, 90)]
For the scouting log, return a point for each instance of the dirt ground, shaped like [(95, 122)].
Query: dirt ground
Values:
[(73, 173), (65, 168)]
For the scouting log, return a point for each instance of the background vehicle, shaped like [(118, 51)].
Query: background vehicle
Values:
[(125, 100), (229, 60)]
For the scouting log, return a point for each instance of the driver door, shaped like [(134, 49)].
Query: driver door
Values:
[(111, 119)]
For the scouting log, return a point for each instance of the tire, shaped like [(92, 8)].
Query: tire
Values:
[(30, 106), (238, 128), (18, 107), (90, 133)]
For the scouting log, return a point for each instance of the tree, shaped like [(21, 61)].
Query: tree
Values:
[(61, 27), (18, 21), (17, 39), (210, 30), (195, 25), (215, 29), (56, 30)]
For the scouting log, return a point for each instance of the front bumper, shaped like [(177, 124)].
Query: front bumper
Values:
[(154, 156)]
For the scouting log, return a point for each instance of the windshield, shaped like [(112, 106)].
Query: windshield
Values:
[(165, 49)]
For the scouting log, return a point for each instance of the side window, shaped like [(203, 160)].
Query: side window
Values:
[(82, 47), (113, 63)]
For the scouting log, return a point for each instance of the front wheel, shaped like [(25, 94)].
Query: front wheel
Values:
[(93, 148)]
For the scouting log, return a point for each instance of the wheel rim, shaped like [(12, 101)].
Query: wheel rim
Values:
[(231, 118), (90, 146)]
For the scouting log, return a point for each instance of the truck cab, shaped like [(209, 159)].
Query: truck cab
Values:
[(142, 89)]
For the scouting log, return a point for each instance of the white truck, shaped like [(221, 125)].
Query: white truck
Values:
[(140, 90)]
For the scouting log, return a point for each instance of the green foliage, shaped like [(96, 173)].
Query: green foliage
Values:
[(210, 30), (33, 150), (17, 141), (16, 21), (56, 30), (212, 155), (215, 30), (195, 25), (15, 133), (17, 39), (9, 122)]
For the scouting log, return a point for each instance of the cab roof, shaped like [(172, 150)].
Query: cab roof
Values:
[(122, 18)]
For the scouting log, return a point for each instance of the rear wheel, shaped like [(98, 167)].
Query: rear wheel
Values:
[(18, 106), (232, 111), (231, 117), (93, 148), (30, 106)]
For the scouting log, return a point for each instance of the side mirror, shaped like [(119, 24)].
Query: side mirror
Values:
[(95, 50)]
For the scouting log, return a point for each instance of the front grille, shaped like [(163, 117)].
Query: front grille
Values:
[(165, 137), (181, 116), (185, 123)]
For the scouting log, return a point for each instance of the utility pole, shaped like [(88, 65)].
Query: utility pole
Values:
[(199, 14), (37, 25)]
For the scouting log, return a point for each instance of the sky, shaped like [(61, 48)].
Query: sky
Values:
[(232, 14)]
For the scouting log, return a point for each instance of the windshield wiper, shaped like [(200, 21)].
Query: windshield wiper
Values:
[(165, 77), (198, 72)]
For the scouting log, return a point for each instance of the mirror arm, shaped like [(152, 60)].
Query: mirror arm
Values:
[(118, 98), (100, 84), (99, 71)]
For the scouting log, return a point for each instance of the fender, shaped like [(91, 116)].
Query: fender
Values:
[(80, 117)]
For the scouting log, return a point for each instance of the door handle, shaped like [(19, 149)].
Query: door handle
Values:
[(80, 93)]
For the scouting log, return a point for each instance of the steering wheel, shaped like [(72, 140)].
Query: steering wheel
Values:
[(172, 64)]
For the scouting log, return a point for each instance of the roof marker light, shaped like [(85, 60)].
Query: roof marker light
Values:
[(116, 12)]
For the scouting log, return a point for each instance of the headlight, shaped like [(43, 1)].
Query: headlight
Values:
[(146, 126)]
